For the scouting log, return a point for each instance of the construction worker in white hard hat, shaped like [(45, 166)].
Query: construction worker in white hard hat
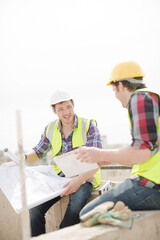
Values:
[(69, 131), (142, 190)]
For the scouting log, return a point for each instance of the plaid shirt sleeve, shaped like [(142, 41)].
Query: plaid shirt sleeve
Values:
[(44, 146), (144, 114), (93, 136)]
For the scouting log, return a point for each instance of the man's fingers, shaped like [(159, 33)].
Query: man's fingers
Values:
[(65, 185), (80, 152), (84, 159), (66, 192), (82, 156)]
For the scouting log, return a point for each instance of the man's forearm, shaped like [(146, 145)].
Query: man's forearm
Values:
[(125, 156), (85, 176), (31, 157)]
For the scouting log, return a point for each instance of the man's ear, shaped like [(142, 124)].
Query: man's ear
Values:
[(121, 87), (53, 109)]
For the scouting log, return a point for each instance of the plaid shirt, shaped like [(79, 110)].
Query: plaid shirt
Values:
[(144, 113), (93, 140)]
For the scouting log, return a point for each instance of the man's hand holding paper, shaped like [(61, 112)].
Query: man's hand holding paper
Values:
[(71, 167), (76, 182)]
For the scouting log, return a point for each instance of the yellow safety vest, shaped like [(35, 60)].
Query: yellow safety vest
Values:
[(151, 168), (79, 138)]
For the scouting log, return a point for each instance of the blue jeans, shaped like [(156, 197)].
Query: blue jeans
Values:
[(134, 195), (77, 201)]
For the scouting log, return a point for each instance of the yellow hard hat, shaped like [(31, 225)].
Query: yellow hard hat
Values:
[(125, 70)]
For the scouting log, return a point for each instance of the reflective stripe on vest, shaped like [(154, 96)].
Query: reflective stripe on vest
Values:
[(79, 138), (151, 168)]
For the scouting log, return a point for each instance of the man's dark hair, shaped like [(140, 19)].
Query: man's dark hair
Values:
[(62, 102), (131, 86)]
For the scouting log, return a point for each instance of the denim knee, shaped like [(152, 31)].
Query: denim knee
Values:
[(37, 222), (78, 199), (35, 214)]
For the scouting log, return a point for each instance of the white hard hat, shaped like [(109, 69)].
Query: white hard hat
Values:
[(60, 96)]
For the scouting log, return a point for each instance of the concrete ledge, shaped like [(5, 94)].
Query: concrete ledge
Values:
[(145, 226), (56, 213), (10, 221)]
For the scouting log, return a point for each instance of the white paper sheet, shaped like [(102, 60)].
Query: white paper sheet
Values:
[(71, 167), (42, 184)]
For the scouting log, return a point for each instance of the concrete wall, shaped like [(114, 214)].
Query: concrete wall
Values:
[(115, 174), (145, 227), (55, 214), (10, 222)]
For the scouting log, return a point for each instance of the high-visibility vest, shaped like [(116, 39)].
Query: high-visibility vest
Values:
[(79, 138), (151, 168)]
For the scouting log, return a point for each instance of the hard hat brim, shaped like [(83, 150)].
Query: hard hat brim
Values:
[(109, 83), (61, 100), (60, 96)]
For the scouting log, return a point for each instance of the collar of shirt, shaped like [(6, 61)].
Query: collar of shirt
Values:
[(67, 143), (75, 124)]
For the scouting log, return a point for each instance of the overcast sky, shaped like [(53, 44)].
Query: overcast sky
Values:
[(72, 45)]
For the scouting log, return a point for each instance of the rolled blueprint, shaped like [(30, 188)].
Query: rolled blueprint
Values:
[(11, 155)]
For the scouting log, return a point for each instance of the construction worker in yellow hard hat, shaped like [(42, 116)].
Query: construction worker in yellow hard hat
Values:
[(130, 71), (69, 131), (142, 190)]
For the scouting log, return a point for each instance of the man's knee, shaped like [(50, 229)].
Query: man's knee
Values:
[(36, 217)]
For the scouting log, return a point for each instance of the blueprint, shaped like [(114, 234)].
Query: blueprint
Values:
[(42, 184)]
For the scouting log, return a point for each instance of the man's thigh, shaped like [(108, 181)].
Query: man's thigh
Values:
[(134, 195), (43, 208), (82, 195)]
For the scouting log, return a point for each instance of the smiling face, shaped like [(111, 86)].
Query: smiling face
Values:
[(65, 111)]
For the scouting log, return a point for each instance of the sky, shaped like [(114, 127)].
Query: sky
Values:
[(72, 45)]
